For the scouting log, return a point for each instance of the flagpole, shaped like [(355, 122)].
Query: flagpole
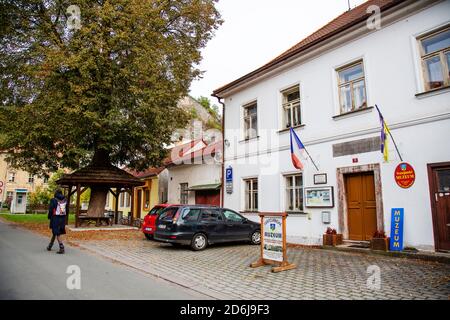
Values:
[(396, 148), (390, 134), (311, 159)]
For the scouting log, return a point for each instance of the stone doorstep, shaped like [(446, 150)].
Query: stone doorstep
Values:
[(421, 255), (168, 277)]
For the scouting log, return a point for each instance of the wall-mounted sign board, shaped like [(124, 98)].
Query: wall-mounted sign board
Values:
[(404, 175)]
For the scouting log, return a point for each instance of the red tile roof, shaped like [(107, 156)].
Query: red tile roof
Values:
[(150, 172), (207, 151), (337, 25)]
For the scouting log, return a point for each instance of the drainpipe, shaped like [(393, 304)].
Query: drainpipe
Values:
[(222, 187)]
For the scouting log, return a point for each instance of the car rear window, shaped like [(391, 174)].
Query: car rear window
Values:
[(168, 214), (190, 215)]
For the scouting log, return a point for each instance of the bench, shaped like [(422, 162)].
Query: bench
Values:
[(99, 221)]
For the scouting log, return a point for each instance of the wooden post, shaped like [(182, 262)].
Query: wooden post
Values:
[(77, 213), (116, 207), (279, 265), (67, 194), (132, 206)]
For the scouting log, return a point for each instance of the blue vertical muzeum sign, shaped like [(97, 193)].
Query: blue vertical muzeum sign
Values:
[(397, 218)]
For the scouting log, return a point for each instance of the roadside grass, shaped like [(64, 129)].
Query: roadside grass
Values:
[(30, 218)]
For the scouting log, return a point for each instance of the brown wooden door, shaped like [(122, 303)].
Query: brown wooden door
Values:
[(361, 206), (139, 204), (210, 197), (440, 201)]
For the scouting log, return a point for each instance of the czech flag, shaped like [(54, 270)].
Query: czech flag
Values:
[(295, 159)]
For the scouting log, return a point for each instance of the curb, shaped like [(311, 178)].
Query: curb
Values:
[(406, 255)]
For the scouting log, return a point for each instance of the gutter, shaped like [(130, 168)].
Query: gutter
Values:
[(222, 194)]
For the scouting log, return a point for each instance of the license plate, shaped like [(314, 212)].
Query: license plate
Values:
[(162, 226), (148, 229)]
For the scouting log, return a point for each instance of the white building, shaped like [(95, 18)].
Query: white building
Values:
[(195, 173), (326, 87)]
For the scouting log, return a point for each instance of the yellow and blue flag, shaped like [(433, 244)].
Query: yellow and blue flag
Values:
[(384, 136)]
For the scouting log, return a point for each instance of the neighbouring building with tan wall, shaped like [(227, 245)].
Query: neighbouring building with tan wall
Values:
[(16, 185)]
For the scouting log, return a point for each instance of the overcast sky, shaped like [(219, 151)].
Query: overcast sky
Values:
[(256, 31)]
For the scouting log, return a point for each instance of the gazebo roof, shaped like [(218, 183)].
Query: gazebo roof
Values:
[(100, 175)]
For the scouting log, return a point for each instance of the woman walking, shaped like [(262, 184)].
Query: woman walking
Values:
[(57, 214)]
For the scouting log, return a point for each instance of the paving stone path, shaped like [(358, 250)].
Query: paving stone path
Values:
[(222, 272)]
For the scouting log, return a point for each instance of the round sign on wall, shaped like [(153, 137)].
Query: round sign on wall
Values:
[(404, 175)]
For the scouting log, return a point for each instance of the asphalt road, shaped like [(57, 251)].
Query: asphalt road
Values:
[(29, 271)]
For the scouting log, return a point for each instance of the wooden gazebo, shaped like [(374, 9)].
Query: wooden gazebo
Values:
[(114, 179)]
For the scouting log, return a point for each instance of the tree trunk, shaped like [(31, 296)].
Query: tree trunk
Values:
[(97, 202)]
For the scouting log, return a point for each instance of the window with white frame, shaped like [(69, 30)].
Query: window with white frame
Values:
[(250, 121), (127, 200), (11, 177), (435, 58), (251, 194), (124, 200), (352, 87), (294, 193), (184, 193), (30, 178), (291, 107)]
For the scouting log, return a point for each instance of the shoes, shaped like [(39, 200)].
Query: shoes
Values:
[(61, 250), (49, 247)]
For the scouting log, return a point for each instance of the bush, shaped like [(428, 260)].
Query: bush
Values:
[(39, 197)]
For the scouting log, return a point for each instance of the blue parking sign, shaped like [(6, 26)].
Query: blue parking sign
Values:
[(229, 174)]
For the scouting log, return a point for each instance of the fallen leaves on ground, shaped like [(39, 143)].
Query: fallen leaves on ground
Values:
[(43, 229)]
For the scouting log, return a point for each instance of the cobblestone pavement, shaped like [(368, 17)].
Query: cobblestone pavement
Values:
[(223, 272)]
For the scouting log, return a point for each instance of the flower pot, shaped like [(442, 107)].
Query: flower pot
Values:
[(332, 239), (381, 244)]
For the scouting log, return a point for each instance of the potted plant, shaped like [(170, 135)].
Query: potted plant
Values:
[(332, 238), (379, 241)]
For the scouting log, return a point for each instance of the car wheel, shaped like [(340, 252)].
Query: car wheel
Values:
[(256, 237), (199, 242), (148, 236)]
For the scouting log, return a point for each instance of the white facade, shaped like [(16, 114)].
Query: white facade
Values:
[(420, 123), (193, 175)]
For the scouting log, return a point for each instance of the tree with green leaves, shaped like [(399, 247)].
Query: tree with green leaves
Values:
[(96, 82), (213, 110)]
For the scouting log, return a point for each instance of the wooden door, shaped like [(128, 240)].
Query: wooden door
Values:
[(361, 206), (210, 197), (439, 179)]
